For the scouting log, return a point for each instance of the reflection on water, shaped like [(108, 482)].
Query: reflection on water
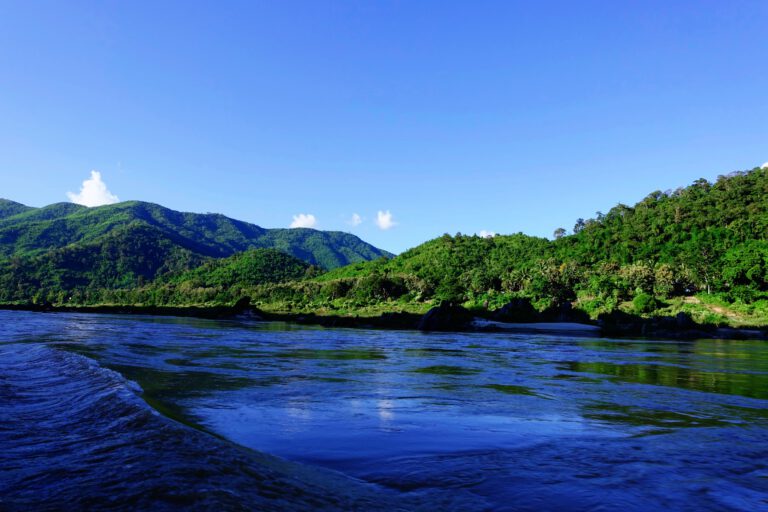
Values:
[(667, 421), (447, 370), (350, 353), (512, 390), (500, 421), (734, 382)]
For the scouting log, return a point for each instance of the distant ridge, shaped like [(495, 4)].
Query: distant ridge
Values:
[(73, 249), (9, 208), (26, 231)]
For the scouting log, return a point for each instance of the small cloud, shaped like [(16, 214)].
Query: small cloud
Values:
[(93, 192), (303, 220), (356, 220), (486, 234), (764, 166), (385, 220)]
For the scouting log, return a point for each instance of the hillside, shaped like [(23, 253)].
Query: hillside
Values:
[(127, 256), (34, 231), (700, 250), (215, 282), (69, 253), (10, 208), (707, 238)]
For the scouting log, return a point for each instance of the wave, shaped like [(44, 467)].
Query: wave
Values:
[(77, 436)]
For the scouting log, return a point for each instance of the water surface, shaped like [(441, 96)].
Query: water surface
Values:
[(459, 421)]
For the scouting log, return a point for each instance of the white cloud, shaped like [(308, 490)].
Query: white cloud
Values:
[(764, 166), (93, 192), (303, 220), (356, 220), (486, 234), (384, 220)]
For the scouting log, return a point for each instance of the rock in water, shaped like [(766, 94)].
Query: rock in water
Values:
[(243, 304), (684, 321), (516, 310), (445, 317), (243, 309)]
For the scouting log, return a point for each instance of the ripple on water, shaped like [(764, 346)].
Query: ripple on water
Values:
[(77, 436), (447, 370), (493, 421)]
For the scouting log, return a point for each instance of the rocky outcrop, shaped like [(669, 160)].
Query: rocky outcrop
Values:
[(516, 310), (445, 317)]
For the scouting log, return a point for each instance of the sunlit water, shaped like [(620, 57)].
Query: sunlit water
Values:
[(449, 421)]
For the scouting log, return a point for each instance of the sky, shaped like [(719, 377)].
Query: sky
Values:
[(397, 121)]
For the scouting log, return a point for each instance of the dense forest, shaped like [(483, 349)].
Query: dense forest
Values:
[(707, 240), (66, 253), (215, 282), (705, 243), (26, 231)]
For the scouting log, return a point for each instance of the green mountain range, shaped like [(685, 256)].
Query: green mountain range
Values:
[(701, 250), (65, 247)]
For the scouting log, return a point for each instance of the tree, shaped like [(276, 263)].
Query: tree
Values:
[(559, 233)]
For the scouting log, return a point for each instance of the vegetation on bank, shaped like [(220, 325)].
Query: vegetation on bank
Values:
[(700, 250)]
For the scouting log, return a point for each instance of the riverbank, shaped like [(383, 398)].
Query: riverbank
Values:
[(446, 318)]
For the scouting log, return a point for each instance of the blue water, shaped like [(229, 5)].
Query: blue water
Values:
[(106, 411)]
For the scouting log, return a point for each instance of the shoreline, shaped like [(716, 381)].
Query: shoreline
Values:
[(454, 319)]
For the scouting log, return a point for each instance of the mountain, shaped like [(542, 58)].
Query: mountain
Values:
[(127, 256), (65, 250), (10, 208), (700, 250), (34, 231), (217, 281)]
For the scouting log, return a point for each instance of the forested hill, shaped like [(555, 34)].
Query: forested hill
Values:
[(709, 238), (67, 252), (697, 225), (26, 231), (9, 208), (666, 254)]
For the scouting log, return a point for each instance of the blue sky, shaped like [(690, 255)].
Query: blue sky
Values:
[(452, 116)]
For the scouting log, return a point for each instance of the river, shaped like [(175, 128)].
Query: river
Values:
[(126, 412)]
